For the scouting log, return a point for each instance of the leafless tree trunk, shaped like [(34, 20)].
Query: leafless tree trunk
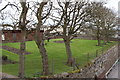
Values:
[(95, 10), (40, 43), (73, 18), (68, 51), (40, 39), (44, 59), (98, 37), (21, 55), (22, 26)]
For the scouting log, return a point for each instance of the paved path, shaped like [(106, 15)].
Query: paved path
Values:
[(14, 50), (5, 75), (115, 72)]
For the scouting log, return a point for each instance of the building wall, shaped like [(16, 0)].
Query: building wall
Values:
[(15, 35)]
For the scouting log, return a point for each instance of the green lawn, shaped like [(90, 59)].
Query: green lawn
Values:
[(56, 52)]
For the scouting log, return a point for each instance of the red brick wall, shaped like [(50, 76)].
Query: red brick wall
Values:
[(9, 35), (31, 35)]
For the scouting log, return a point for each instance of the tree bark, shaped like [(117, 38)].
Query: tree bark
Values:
[(21, 55), (104, 39), (98, 36), (98, 39), (69, 52), (44, 59), (40, 43), (107, 38), (40, 39)]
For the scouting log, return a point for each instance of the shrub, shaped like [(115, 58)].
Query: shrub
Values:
[(5, 58)]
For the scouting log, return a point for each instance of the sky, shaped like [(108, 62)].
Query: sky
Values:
[(113, 4), (110, 3)]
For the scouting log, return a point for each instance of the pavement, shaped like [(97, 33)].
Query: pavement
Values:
[(115, 71), (5, 75)]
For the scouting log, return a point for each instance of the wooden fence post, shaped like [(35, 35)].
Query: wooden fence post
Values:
[(96, 53)]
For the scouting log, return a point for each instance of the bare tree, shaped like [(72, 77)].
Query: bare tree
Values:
[(4, 25), (95, 11), (9, 4), (4, 15), (109, 24), (41, 17), (22, 25), (101, 20), (73, 18)]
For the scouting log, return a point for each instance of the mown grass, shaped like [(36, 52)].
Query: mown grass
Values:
[(56, 54)]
